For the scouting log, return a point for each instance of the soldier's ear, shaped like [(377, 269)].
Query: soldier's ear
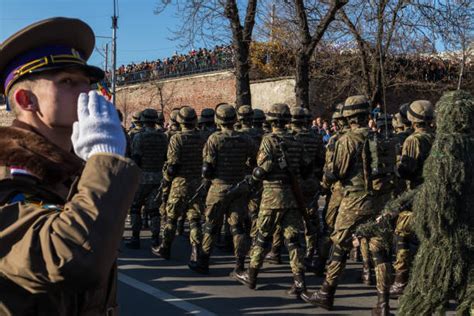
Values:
[(25, 100)]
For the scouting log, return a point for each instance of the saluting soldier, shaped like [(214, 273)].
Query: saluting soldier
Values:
[(60, 237)]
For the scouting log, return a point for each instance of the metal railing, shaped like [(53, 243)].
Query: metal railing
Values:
[(165, 71)]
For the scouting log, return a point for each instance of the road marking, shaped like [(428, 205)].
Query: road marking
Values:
[(168, 298)]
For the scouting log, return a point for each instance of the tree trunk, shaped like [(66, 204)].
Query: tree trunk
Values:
[(302, 80), (242, 76)]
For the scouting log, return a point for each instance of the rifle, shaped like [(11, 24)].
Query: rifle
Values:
[(200, 191), (295, 186)]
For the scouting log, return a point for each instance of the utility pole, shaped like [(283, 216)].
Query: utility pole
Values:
[(114, 51), (107, 57)]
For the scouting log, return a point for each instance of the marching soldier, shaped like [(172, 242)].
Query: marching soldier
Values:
[(206, 122), (281, 160), (173, 126), (149, 153), (183, 170), (333, 189), (227, 156), (314, 146), (416, 149), (351, 167)]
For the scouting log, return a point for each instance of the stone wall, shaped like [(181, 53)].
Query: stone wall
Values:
[(271, 91)]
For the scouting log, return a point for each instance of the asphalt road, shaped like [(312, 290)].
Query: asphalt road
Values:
[(152, 286)]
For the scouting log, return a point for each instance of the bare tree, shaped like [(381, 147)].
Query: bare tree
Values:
[(210, 21), (307, 45)]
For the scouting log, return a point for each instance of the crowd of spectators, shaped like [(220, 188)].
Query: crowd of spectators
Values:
[(431, 68), (195, 61)]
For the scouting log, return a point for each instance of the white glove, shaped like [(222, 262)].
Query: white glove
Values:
[(98, 129)]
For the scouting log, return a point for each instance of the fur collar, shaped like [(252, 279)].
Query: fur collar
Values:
[(21, 146)]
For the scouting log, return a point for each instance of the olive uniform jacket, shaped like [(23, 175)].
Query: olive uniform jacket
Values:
[(60, 229)]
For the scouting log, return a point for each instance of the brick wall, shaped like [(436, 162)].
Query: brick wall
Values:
[(198, 91)]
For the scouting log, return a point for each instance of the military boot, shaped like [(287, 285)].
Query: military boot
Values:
[(382, 308), (274, 256), (248, 278), (163, 251), (323, 298), (239, 266), (298, 287), (200, 266), (401, 280), (366, 276)]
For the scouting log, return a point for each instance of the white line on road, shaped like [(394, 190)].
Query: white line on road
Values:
[(178, 302)]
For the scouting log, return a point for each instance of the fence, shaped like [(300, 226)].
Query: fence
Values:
[(164, 71)]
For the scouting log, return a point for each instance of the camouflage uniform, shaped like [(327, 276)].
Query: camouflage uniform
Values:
[(227, 155), (278, 205), (314, 146), (246, 118), (383, 145), (416, 149), (352, 169), (149, 152), (333, 189), (183, 170)]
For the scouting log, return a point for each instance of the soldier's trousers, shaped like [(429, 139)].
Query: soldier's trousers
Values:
[(379, 201), (330, 218), (144, 198), (354, 210), (236, 211), (404, 236), (290, 222), (181, 192)]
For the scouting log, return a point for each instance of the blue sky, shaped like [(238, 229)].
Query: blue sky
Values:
[(141, 34)]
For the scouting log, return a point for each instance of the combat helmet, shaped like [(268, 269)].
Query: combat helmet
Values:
[(298, 115), (258, 116), (149, 116), (279, 112), (186, 115), (174, 115), (207, 116), (245, 112), (337, 115), (136, 116), (397, 121), (420, 111), (355, 105), (225, 114)]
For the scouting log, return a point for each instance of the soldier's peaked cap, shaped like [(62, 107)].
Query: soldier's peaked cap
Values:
[(49, 44)]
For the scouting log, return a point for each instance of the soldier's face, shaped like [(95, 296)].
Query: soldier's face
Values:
[(57, 93)]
